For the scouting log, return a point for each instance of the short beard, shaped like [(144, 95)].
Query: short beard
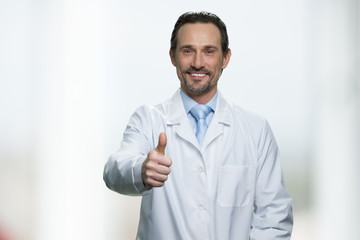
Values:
[(200, 91), (193, 91)]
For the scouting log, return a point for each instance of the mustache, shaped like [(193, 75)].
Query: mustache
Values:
[(193, 69)]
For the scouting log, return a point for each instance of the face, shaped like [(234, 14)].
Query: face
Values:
[(198, 59)]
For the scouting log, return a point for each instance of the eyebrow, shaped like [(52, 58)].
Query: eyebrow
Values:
[(206, 47)]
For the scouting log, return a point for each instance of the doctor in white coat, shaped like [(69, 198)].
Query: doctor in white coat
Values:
[(221, 183)]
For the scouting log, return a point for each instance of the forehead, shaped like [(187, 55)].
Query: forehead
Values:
[(199, 34)]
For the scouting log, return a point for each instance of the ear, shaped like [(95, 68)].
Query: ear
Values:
[(172, 57), (226, 59)]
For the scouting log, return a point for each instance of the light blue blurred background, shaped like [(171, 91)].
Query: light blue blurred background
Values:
[(73, 71)]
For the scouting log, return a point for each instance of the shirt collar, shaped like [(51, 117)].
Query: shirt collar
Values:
[(189, 102)]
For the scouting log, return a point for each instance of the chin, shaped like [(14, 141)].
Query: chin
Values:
[(199, 91)]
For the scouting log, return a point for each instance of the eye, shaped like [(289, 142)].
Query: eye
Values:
[(187, 51), (209, 52)]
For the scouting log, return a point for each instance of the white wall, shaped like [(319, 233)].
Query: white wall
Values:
[(337, 129), (73, 71)]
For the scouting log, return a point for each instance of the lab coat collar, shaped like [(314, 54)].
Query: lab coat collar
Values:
[(222, 117), (177, 116), (176, 112)]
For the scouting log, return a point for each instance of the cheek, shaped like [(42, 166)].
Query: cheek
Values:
[(182, 68), (216, 68), (184, 62), (216, 64), (180, 72)]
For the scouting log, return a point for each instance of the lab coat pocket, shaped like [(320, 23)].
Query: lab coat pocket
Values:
[(234, 185)]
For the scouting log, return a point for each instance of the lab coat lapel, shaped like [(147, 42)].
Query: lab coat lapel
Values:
[(178, 119), (221, 118)]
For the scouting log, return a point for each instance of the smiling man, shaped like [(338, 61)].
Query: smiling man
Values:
[(199, 60), (205, 168)]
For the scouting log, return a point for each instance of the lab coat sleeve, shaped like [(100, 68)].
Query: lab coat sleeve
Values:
[(272, 216), (122, 172)]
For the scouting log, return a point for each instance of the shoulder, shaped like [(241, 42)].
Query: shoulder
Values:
[(156, 110), (163, 107), (148, 113), (247, 123), (152, 115), (250, 119), (240, 115), (148, 121)]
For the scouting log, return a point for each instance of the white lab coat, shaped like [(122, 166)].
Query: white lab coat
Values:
[(229, 188)]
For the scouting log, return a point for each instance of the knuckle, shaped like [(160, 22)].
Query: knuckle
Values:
[(148, 165), (149, 174), (150, 182), (151, 166), (151, 154), (156, 183)]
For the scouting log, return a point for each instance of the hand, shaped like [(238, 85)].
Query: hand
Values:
[(156, 167)]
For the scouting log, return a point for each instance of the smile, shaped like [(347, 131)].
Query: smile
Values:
[(198, 74)]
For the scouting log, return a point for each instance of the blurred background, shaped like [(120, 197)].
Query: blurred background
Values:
[(73, 71)]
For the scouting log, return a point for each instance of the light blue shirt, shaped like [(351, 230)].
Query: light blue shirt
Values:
[(189, 103)]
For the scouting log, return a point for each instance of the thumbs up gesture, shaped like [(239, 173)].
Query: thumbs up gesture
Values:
[(156, 167)]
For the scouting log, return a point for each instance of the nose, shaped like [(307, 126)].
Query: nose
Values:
[(198, 61)]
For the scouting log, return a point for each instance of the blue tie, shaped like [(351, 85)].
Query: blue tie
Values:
[(200, 112)]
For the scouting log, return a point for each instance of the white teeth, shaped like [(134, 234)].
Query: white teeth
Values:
[(198, 74)]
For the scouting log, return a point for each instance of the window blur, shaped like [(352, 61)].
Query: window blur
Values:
[(73, 71)]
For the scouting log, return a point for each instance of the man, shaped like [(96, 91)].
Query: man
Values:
[(206, 169)]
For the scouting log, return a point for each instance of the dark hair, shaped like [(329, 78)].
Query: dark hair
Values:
[(201, 17)]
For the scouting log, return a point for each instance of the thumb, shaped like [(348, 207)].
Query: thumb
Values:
[(162, 143)]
